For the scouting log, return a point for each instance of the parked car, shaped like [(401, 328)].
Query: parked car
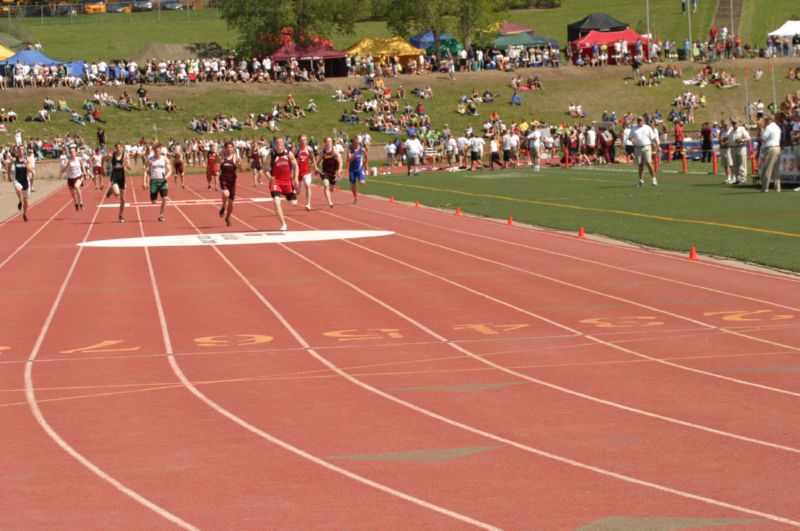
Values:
[(94, 6), (172, 5), (142, 5), (118, 7)]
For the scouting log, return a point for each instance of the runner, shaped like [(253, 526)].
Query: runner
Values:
[(256, 162), (212, 166), (22, 169), (156, 175), (75, 171), (305, 159), (331, 164), (356, 162), (119, 163), (282, 176), (97, 169), (227, 180), (179, 166)]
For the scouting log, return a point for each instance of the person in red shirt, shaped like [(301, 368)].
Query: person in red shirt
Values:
[(678, 139), (212, 166), (305, 159), (282, 174), (228, 167)]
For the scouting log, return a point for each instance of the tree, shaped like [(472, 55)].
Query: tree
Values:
[(403, 16), (473, 18), (260, 23)]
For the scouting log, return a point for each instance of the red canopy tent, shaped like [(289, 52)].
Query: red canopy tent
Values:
[(585, 45), (335, 64)]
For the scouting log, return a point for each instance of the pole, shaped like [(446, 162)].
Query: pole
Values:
[(774, 93), (747, 95), (733, 30), (689, 16), (647, 6)]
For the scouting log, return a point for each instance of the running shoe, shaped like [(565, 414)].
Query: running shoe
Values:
[(640, 183), (121, 219), (161, 218), (355, 201), (655, 182), (19, 205), (81, 206), (308, 207), (77, 207), (222, 212), (24, 217), (228, 222), (283, 227), (109, 192)]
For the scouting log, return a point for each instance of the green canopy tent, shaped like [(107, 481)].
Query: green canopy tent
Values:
[(450, 45), (518, 39)]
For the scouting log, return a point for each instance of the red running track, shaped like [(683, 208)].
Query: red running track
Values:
[(458, 373)]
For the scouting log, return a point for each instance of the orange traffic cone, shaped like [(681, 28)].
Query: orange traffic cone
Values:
[(693, 253), (510, 221), (714, 162), (684, 165), (391, 199), (458, 211), (581, 234), (417, 204), (656, 161)]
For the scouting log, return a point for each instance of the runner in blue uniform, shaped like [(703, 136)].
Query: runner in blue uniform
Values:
[(357, 162)]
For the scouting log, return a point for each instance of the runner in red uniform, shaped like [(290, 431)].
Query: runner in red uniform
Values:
[(227, 180), (177, 164), (331, 164), (212, 166), (305, 159), (282, 175)]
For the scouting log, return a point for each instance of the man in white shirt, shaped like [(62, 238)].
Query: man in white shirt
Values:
[(451, 151), (535, 145), (770, 154), (645, 141), (476, 146), (462, 143), (413, 153), (739, 140), (506, 140)]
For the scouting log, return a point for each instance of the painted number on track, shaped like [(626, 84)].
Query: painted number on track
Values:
[(489, 329), (750, 316), (623, 322), (369, 334), (103, 346), (239, 340)]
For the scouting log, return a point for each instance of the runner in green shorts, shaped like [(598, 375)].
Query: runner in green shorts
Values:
[(157, 174)]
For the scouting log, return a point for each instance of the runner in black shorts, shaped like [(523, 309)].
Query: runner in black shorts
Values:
[(227, 180), (119, 163), (22, 169), (331, 164)]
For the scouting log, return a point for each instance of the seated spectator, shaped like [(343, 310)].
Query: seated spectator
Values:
[(63, 107), (311, 107), (42, 116), (49, 105), (76, 118), (516, 99), (169, 105)]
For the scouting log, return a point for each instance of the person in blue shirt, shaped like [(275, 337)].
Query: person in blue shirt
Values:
[(357, 163)]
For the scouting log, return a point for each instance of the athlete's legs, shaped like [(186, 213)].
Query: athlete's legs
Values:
[(229, 212), (307, 183), (76, 192), (225, 195), (279, 211), (327, 188)]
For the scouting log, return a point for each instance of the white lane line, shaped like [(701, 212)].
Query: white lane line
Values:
[(626, 301), (471, 429), (30, 395), (32, 236), (271, 438)]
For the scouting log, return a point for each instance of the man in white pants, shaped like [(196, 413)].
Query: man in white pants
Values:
[(645, 142), (771, 153), (739, 140)]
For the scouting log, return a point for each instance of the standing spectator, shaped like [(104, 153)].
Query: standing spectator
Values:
[(414, 149), (770, 152), (739, 140), (706, 147), (645, 141)]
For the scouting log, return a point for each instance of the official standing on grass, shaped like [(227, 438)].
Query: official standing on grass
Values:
[(414, 151), (739, 141), (770, 154), (645, 142)]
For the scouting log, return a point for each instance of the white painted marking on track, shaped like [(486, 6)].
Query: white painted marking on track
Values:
[(183, 202), (521, 446), (238, 238), (30, 396)]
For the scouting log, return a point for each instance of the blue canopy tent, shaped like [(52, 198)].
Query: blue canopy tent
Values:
[(425, 39), (30, 57), (76, 68)]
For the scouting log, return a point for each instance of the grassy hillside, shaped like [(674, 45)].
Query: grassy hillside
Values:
[(761, 17)]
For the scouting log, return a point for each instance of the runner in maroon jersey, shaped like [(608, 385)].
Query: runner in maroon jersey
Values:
[(212, 166), (256, 163), (331, 164), (177, 164), (282, 175), (227, 180), (305, 159)]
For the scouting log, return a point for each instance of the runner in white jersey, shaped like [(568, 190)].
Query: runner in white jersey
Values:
[(156, 176), (97, 169), (73, 168), (305, 161), (32, 166)]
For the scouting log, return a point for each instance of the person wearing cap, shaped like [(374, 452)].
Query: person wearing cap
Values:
[(156, 176), (739, 140), (413, 148), (770, 149), (726, 155), (645, 141)]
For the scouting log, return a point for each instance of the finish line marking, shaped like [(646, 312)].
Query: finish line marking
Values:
[(238, 238), (185, 202)]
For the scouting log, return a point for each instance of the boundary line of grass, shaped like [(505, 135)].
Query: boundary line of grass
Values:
[(593, 209)]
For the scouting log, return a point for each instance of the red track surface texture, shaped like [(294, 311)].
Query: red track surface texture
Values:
[(458, 373)]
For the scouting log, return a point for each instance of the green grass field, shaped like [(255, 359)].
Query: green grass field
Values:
[(761, 17), (684, 210)]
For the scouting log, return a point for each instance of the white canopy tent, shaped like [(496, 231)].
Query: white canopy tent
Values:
[(789, 29)]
